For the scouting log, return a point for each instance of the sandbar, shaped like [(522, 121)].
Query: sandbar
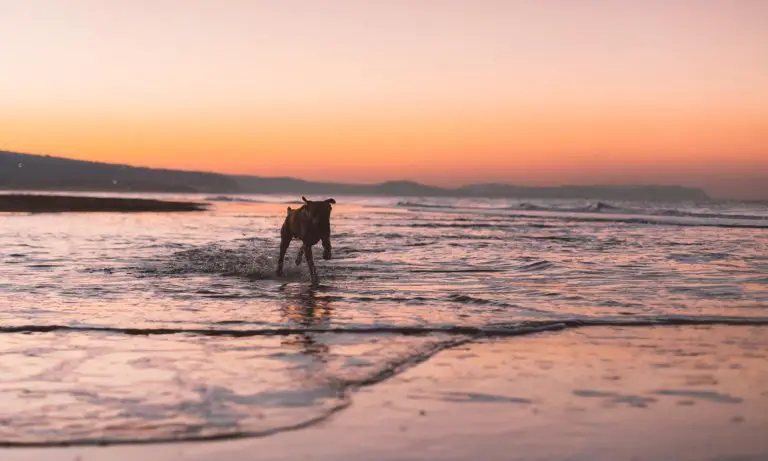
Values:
[(31, 203)]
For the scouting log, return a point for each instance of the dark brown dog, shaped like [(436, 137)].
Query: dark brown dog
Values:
[(311, 223)]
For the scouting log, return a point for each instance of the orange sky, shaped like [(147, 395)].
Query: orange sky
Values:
[(445, 92)]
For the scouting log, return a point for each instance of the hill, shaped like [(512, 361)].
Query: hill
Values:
[(41, 172)]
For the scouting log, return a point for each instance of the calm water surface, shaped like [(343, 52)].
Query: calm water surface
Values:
[(148, 327)]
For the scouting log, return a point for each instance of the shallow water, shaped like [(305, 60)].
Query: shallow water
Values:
[(147, 327)]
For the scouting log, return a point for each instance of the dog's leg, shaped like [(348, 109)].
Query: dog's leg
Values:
[(326, 247), (311, 263), (284, 243), (300, 256)]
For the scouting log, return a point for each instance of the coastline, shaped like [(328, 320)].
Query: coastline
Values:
[(598, 393), (33, 203)]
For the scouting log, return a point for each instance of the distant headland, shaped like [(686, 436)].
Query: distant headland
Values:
[(45, 173)]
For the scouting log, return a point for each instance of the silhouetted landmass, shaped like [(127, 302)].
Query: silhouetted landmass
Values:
[(36, 172), (30, 203)]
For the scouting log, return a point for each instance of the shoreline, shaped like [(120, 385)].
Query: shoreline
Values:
[(34, 203), (603, 393)]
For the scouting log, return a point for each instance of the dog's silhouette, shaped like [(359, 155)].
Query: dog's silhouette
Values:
[(311, 224)]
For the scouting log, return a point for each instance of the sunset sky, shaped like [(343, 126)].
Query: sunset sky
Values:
[(445, 92)]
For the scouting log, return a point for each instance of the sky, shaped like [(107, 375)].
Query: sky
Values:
[(445, 92)]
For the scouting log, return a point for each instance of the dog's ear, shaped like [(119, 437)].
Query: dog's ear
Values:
[(331, 201), (305, 199)]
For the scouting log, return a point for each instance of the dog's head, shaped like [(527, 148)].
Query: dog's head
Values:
[(319, 212)]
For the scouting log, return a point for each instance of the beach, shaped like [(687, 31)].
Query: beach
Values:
[(599, 393), (439, 330), (427, 230)]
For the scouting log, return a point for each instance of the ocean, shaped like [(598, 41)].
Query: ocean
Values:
[(158, 327)]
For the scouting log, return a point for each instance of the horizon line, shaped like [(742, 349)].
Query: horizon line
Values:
[(389, 181)]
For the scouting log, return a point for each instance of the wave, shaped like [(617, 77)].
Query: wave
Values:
[(526, 206), (595, 207), (466, 299), (603, 207), (477, 301), (598, 207), (424, 205), (493, 330), (453, 225), (471, 270), (693, 214), (226, 198), (235, 199), (341, 389), (723, 221), (537, 266)]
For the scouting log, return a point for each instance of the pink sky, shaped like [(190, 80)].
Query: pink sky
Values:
[(447, 92)]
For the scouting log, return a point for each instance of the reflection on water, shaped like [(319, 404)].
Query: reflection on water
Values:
[(302, 307), (426, 269)]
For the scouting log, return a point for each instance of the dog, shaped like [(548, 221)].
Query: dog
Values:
[(311, 224)]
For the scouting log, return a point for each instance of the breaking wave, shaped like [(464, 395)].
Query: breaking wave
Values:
[(238, 199), (492, 330), (683, 216)]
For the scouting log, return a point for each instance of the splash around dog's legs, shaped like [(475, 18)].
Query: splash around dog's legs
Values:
[(284, 243), (326, 248), (311, 264)]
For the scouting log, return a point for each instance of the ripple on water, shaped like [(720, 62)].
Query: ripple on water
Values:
[(95, 389), (120, 310)]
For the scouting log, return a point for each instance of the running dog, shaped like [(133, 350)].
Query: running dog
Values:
[(311, 224)]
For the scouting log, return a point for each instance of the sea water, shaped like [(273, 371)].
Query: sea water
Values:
[(148, 327)]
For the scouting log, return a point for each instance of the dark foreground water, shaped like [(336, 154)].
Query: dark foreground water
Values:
[(157, 327)]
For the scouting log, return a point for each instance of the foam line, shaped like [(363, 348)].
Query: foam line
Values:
[(511, 329)]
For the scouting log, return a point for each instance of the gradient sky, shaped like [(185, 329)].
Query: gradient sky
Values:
[(442, 91)]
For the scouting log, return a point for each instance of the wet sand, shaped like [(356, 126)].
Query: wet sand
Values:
[(596, 393), (29, 203)]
